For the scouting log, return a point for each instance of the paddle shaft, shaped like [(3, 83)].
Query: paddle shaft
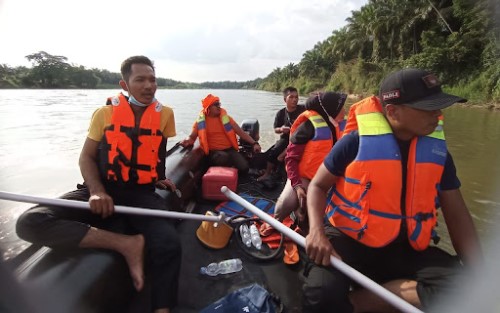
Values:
[(337, 263), (118, 208)]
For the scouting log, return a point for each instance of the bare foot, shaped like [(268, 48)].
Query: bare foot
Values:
[(135, 260)]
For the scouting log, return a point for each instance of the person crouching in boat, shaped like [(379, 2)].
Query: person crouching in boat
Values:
[(217, 132), (283, 122), (382, 184), (312, 135), (120, 164)]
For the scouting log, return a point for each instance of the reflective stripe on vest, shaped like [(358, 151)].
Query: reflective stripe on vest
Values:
[(133, 150), (318, 147), (366, 203)]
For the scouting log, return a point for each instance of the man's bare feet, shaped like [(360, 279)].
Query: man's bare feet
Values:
[(131, 247), (134, 256)]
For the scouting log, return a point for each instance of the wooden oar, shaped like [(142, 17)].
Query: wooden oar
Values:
[(118, 208), (337, 263)]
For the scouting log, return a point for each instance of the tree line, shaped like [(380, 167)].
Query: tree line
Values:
[(456, 39), (54, 71)]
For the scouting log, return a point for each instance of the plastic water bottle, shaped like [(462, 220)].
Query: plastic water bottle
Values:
[(255, 237), (245, 235), (223, 267)]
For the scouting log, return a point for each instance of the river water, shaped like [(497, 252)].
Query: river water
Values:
[(42, 132)]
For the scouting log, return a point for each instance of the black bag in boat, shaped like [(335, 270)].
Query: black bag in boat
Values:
[(251, 299)]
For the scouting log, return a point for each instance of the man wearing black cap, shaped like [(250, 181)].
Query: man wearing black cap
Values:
[(390, 173)]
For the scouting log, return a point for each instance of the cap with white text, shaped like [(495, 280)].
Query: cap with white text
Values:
[(417, 89)]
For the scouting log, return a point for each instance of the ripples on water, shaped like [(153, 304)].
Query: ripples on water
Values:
[(42, 132)]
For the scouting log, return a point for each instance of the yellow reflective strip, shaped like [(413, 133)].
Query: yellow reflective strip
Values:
[(373, 124), (318, 121), (201, 118), (225, 119), (438, 132)]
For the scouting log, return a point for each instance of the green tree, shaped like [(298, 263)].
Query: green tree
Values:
[(49, 71)]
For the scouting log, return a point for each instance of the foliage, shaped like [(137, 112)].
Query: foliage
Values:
[(457, 39), (52, 71)]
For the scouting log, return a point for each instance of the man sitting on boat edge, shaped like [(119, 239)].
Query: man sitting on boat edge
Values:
[(383, 183), (217, 132), (120, 164)]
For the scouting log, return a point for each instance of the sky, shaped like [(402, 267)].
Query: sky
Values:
[(188, 40)]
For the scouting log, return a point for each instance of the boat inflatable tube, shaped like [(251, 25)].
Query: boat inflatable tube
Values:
[(184, 167)]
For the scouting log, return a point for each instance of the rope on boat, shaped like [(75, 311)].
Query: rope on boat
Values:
[(337, 263)]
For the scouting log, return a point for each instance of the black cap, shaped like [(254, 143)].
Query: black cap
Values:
[(416, 88)]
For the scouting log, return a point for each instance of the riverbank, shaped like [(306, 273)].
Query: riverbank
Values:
[(492, 106)]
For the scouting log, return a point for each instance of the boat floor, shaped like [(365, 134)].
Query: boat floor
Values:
[(197, 291)]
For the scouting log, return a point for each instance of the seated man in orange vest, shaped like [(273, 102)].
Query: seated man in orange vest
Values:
[(382, 185), (119, 170), (217, 132)]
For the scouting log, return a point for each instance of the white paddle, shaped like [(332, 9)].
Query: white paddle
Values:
[(118, 208), (341, 266)]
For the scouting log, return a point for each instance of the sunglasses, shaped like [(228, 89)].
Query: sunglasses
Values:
[(216, 104)]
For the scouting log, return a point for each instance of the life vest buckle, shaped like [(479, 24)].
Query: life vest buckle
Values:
[(422, 217), (435, 237), (361, 232)]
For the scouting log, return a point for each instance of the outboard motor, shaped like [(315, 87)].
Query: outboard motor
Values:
[(251, 127), (257, 161)]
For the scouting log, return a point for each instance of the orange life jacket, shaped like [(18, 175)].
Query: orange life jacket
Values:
[(202, 130), (132, 151), (318, 147), (366, 203)]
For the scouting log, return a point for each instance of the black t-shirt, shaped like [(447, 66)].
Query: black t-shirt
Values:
[(285, 118)]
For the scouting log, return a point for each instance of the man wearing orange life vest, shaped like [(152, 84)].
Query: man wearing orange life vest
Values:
[(217, 132), (383, 183), (311, 137), (122, 161)]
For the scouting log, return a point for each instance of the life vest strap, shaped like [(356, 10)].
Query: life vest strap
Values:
[(352, 204), (338, 210)]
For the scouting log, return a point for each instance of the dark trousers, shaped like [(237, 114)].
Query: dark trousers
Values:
[(230, 158), (327, 289), (59, 227), (276, 150)]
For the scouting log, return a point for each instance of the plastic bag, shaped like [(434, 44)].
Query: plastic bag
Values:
[(250, 299)]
